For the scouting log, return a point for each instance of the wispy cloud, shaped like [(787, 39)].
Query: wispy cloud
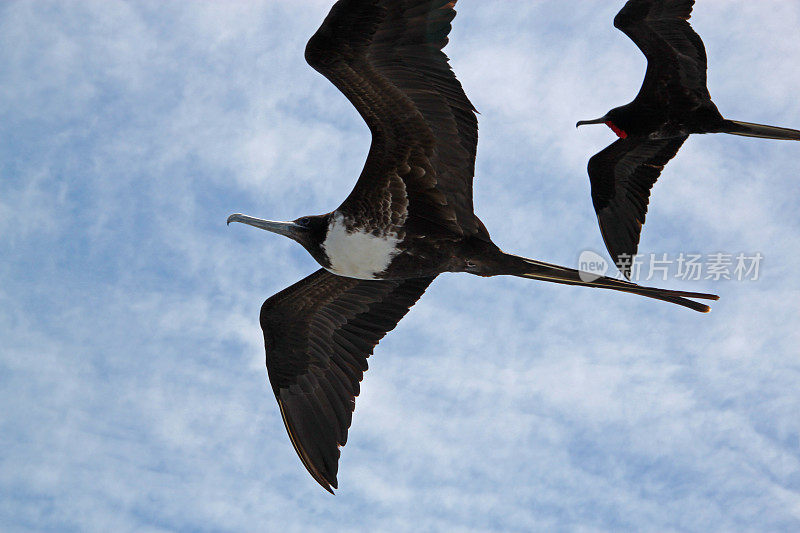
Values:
[(132, 362)]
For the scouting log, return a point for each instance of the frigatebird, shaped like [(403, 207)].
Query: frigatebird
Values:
[(672, 103), (409, 218)]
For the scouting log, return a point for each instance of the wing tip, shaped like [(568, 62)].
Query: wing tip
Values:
[(329, 486), (326, 480)]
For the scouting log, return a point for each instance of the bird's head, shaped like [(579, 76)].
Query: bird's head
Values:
[(610, 119), (310, 231)]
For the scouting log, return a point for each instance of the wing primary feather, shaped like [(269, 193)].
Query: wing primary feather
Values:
[(316, 356), (387, 59), (622, 176)]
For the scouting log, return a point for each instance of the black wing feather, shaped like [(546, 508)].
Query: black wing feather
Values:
[(318, 335), (386, 57), (621, 176), (676, 56)]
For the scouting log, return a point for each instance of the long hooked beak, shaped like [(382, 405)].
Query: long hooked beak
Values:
[(600, 120), (288, 229)]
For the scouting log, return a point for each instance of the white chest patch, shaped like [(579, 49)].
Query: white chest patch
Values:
[(356, 254)]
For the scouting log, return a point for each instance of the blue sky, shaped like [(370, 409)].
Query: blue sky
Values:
[(131, 362)]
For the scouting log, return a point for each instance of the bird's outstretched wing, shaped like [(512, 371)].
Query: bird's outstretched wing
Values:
[(318, 335), (386, 57), (676, 57), (621, 176)]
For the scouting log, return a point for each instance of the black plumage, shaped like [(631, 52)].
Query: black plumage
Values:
[(318, 334), (409, 218), (672, 103)]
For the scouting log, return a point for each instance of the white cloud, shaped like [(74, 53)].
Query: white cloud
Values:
[(132, 362)]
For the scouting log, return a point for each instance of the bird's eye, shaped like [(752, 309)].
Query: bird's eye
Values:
[(305, 221)]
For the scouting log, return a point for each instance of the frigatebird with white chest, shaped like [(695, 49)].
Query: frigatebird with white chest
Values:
[(408, 219), (672, 103)]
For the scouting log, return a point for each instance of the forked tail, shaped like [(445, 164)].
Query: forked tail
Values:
[(748, 129), (530, 268)]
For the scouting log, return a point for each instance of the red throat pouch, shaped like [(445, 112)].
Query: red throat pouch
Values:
[(620, 133)]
